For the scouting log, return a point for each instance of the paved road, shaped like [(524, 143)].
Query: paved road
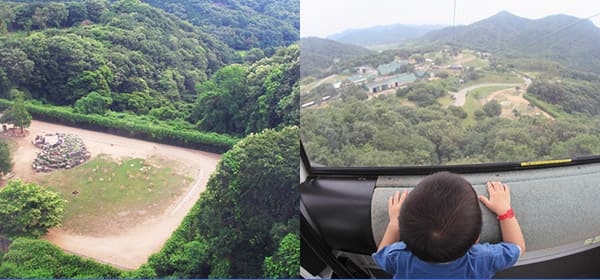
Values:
[(460, 96)]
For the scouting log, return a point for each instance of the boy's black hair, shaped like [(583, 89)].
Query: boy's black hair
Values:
[(440, 219)]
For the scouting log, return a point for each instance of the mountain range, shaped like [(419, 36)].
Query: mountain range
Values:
[(562, 38), (568, 40), (382, 35)]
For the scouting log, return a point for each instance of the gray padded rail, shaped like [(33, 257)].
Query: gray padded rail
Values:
[(558, 208)]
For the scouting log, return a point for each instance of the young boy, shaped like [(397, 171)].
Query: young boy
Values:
[(439, 224)]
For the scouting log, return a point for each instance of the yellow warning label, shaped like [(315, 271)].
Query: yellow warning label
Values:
[(592, 240), (544, 162)]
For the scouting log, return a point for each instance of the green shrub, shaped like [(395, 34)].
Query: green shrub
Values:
[(31, 258), (207, 141)]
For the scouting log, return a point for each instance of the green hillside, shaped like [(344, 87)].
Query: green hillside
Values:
[(142, 61), (241, 24), (319, 54), (565, 39)]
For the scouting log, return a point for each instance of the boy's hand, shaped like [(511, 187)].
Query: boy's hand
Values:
[(499, 201), (394, 204)]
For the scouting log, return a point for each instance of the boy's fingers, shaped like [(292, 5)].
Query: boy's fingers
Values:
[(403, 196), (394, 198), (490, 186), (484, 200), (390, 202)]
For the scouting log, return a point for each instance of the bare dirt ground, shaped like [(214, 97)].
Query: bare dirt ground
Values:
[(514, 101), (129, 249)]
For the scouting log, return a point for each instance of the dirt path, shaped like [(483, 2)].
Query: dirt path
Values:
[(132, 248), (506, 95), (460, 96)]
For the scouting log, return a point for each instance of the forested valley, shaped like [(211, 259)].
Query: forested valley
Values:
[(226, 82)]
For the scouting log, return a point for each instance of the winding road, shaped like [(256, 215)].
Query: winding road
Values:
[(460, 96)]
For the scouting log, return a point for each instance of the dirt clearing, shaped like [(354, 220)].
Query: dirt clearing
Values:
[(512, 99), (130, 248)]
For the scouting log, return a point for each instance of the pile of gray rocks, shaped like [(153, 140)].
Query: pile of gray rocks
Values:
[(59, 151)]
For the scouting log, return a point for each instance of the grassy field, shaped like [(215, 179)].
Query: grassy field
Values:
[(445, 100), (494, 77), (473, 103), (481, 93), (477, 63), (105, 195)]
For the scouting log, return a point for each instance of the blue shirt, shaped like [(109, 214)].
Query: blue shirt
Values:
[(481, 261)]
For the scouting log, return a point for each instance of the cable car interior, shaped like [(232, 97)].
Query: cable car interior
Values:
[(344, 215)]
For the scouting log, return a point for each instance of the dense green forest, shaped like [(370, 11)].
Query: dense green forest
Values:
[(141, 60), (249, 206), (383, 132), (318, 55), (128, 68), (241, 24)]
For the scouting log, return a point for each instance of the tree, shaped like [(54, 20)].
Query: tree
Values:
[(28, 210), (5, 158), (35, 258), (254, 55), (458, 111), (250, 203), (479, 114), (6, 17), (220, 101), (92, 103), (16, 65), (95, 9), (492, 108), (17, 114), (57, 14), (285, 263)]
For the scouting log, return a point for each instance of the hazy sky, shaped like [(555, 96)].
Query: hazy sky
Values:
[(325, 17)]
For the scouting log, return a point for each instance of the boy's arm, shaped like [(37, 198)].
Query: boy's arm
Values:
[(392, 232), (499, 203)]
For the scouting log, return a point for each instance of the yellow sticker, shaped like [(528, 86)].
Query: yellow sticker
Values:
[(592, 240), (544, 162)]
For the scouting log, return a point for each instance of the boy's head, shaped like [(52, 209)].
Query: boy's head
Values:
[(440, 219)]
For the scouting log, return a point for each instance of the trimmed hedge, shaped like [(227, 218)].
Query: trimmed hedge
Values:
[(206, 141), (553, 110)]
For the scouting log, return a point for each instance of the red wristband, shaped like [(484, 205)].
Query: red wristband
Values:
[(509, 214)]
